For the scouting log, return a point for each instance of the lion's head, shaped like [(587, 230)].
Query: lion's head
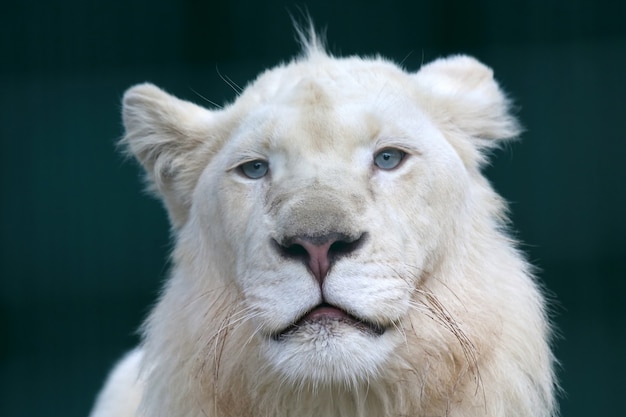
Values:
[(338, 250)]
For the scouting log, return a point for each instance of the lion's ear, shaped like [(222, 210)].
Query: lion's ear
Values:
[(464, 94), (168, 137)]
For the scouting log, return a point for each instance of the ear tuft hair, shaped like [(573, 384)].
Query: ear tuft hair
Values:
[(311, 41)]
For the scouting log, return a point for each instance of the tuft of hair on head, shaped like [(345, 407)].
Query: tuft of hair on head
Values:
[(311, 41)]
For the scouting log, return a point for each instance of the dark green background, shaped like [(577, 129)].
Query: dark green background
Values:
[(83, 251)]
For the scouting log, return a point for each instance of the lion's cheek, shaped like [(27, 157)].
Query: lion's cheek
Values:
[(433, 211)]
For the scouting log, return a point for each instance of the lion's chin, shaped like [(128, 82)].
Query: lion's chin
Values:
[(328, 345), (324, 319)]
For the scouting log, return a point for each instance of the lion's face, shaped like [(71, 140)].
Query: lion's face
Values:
[(335, 200), (324, 196)]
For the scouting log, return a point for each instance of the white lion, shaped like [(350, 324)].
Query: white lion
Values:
[(338, 251)]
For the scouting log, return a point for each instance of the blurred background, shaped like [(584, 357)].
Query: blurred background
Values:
[(83, 251)]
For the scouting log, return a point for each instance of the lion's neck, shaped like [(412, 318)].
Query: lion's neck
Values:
[(275, 399)]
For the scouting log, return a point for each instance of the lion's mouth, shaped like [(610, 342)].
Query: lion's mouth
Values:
[(327, 313)]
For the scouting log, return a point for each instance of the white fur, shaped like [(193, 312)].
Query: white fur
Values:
[(467, 333), (122, 392)]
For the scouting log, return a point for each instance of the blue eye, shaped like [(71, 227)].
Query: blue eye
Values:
[(388, 158), (254, 169)]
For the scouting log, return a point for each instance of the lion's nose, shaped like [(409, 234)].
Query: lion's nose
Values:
[(319, 252)]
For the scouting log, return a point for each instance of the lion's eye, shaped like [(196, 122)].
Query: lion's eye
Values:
[(254, 169), (388, 158)]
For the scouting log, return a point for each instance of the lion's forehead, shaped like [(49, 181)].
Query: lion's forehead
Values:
[(329, 99), (336, 76)]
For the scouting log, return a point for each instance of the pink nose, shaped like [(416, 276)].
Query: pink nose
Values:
[(318, 256), (319, 252)]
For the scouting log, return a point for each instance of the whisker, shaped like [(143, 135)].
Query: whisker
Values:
[(205, 294), (401, 63), (236, 88), (444, 317), (219, 106)]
